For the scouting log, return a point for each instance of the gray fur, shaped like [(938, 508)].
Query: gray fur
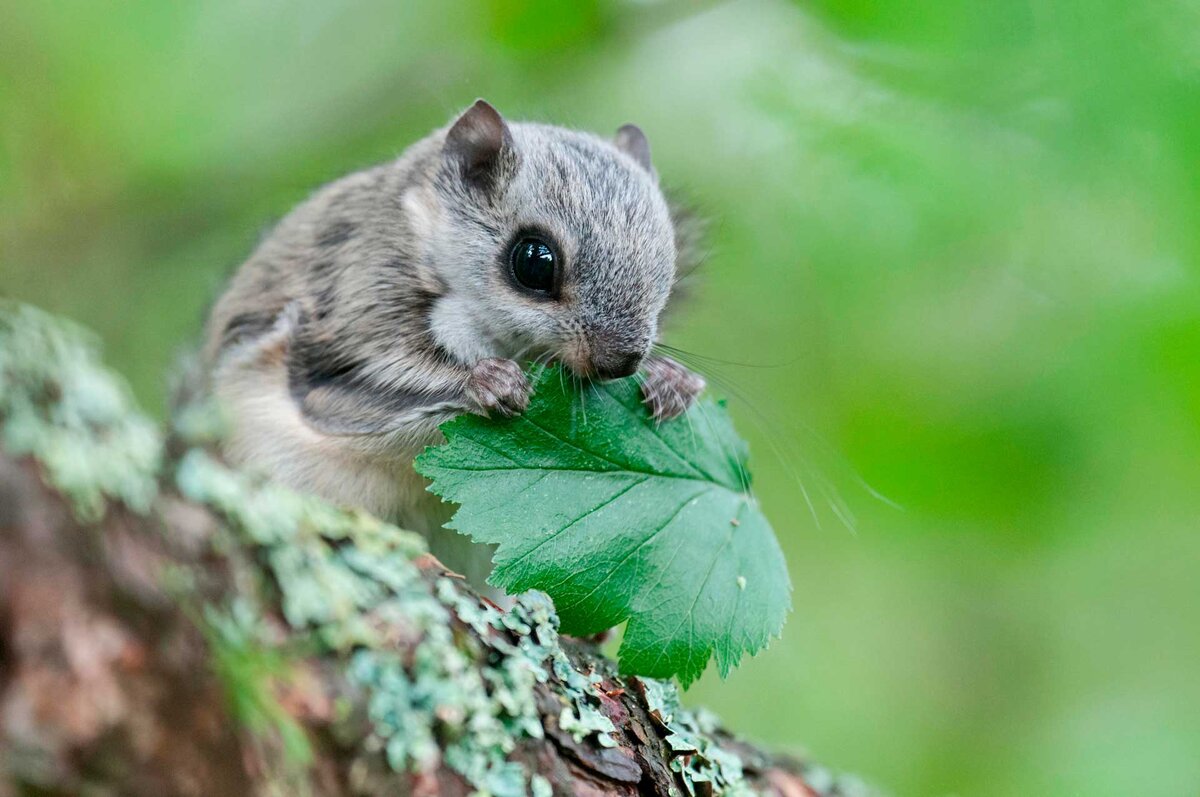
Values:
[(383, 305)]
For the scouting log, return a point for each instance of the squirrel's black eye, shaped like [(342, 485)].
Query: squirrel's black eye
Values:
[(533, 265)]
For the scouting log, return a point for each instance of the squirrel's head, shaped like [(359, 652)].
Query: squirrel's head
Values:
[(551, 243)]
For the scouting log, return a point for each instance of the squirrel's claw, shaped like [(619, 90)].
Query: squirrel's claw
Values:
[(498, 387), (668, 388)]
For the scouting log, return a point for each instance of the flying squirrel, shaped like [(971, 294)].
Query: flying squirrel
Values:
[(400, 296)]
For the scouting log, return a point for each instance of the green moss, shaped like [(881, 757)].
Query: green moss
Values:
[(60, 406), (250, 669)]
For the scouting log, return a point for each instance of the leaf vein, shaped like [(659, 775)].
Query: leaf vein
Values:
[(587, 513), (674, 515), (688, 614), (654, 433)]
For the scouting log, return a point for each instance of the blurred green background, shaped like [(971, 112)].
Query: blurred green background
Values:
[(954, 245)]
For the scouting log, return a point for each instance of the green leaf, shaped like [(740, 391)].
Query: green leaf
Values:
[(619, 518)]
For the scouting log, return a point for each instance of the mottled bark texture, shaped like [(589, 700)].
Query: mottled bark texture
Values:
[(170, 627)]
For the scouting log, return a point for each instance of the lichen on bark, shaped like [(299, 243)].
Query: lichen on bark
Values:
[(60, 406)]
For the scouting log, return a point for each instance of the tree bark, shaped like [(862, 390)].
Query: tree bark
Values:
[(184, 639)]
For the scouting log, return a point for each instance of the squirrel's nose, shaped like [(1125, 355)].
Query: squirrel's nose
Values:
[(614, 365)]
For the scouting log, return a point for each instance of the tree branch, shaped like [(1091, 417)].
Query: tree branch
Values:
[(170, 626)]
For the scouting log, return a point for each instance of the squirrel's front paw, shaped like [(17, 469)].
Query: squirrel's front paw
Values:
[(668, 388), (498, 386)]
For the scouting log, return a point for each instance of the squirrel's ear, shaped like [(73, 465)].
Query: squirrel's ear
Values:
[(632, 141), (478, 143)]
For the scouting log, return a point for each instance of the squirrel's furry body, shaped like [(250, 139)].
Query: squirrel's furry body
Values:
[(383, 305)]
